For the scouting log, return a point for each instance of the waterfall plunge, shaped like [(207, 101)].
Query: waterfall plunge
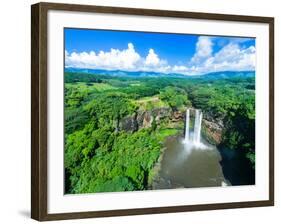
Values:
[(197, 128), (186, 137)]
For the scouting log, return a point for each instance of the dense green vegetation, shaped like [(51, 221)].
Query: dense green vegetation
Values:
[(101, 157)]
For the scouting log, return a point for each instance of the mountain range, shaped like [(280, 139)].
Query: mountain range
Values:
[(121, 73)]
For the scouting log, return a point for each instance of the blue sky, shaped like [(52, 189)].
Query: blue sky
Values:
[(180, 53)]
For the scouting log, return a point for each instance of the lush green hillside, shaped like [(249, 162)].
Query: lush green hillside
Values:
[(102, 156)]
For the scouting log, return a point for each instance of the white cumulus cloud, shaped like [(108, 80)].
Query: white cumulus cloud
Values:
[(114, 59), (152, 59), (204, 49), (230, 57), (126, 59)]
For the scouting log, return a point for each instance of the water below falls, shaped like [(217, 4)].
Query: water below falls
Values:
[(186, 166), (190, 162)]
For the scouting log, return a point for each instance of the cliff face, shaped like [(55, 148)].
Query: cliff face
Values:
[(212, 128), (128, 123), (211, 132), (144, 119)]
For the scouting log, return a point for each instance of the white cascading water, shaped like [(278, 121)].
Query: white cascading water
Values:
[(197, 128), (186, 137)]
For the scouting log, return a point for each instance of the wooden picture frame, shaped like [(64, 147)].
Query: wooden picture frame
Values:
[(39, 110)]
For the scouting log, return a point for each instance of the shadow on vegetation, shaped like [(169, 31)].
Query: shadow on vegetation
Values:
[(236, 167)]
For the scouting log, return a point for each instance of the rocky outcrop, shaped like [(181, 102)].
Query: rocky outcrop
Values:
[(209, 116), (177, 116), (212, 132), (128, 123), (144, 119)]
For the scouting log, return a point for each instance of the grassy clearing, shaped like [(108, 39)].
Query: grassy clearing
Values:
[(82, 86), (148, 103)]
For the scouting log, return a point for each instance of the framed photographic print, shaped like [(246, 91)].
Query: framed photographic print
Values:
[(138, 111)]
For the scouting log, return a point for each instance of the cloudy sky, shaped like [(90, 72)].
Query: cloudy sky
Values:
[(168, 53)]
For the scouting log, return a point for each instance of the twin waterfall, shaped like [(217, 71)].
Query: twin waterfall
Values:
[(197, 127)]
